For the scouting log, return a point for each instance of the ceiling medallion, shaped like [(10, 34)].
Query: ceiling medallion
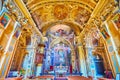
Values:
[(60, 11)]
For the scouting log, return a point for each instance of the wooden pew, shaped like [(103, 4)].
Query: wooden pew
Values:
[(15, 78), (46, 77), (104, 79), (78, 78)]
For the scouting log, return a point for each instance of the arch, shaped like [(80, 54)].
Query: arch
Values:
[(73, 25), (58, 40), (88, 6), (99, 64)]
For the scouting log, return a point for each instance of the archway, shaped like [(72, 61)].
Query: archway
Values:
[(99, 65), (72, 25), (60, 54)]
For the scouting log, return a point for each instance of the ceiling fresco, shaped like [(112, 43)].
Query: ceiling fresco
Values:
[(47, 13)]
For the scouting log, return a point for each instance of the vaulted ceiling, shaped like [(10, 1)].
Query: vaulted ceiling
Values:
[(74, 13), (79, 15)]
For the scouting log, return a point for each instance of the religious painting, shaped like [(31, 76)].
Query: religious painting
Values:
[(4, 20), (116, 20), (105, 32), (28, 40), (80, 15), (17, 31), (95, 42), (60, 12), (39, 58), (61, 55)]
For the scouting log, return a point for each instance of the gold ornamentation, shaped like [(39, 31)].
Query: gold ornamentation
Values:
[(60, 12), (80, 15)]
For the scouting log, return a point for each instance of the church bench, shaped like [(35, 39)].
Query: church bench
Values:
[(45, 77), (15, 78), (104, 79), (78, 78)]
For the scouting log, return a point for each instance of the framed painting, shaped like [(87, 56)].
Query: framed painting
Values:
[(4, 20), (28, 40), (17, 33)]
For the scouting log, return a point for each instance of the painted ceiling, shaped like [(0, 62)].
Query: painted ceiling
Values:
[(73, 13)]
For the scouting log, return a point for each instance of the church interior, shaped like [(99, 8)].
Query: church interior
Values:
[(59, 40)]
